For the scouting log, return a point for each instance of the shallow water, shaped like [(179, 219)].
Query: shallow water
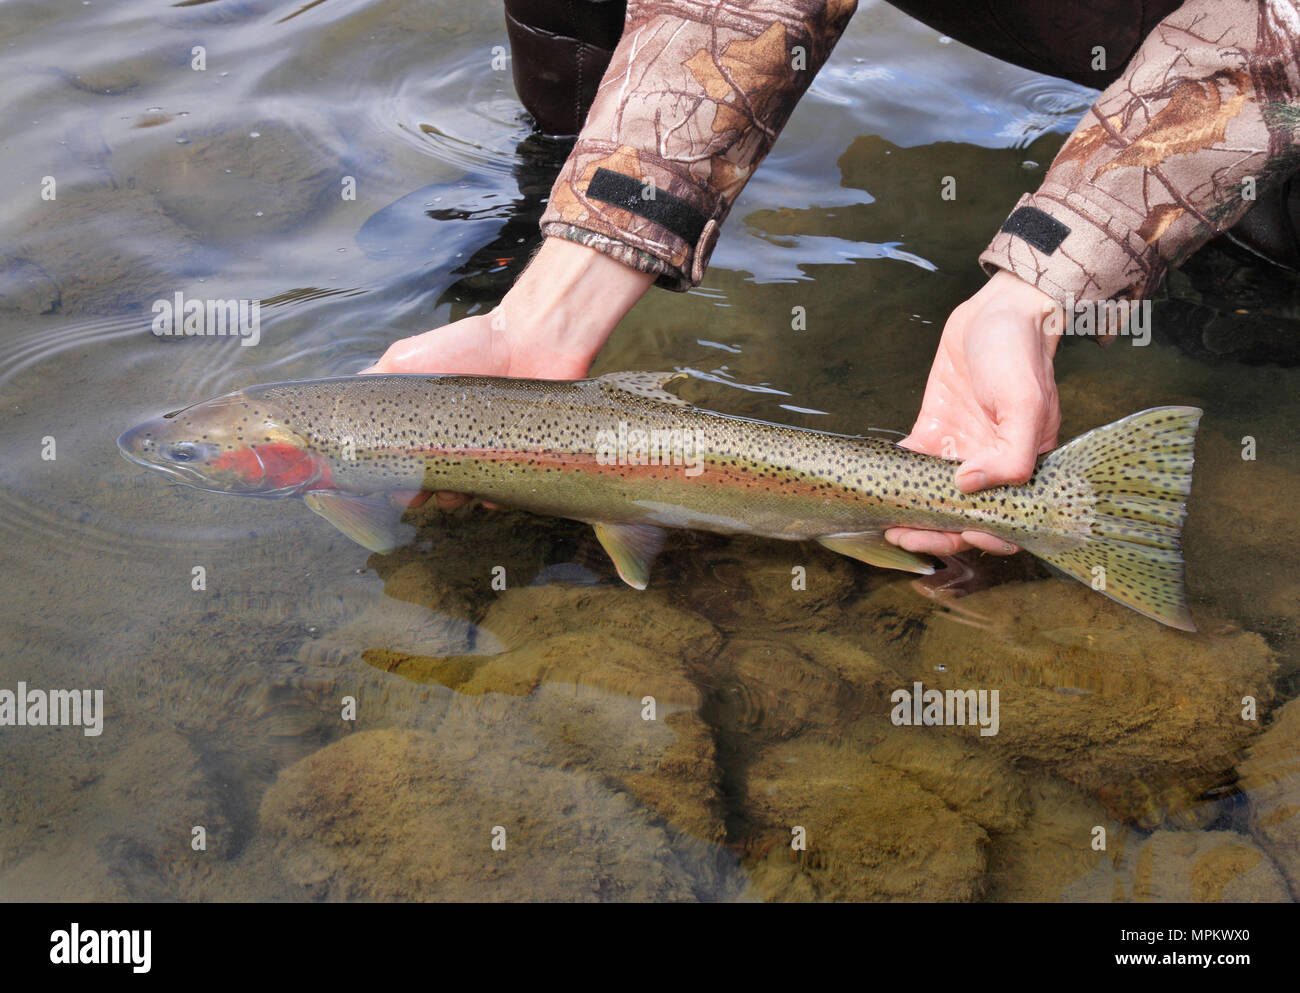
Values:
[(483, 713)]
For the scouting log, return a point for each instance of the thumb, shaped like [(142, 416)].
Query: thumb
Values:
[(1008, 461)]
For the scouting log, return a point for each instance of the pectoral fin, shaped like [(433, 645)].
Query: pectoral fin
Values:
[(871, 547), (633, 548), (372, 522)]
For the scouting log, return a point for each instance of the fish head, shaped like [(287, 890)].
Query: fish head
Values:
[(230, 444)]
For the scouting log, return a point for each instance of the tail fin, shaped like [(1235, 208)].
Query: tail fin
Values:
[(1140, 472)]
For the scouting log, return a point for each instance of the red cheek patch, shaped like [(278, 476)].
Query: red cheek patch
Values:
[(275, 465), (240, 461), (286, 465)]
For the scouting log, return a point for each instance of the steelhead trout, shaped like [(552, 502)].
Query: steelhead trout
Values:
[(625, 455)]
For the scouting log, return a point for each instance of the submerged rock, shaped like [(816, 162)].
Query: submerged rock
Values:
[(603, 689), (1146, 717), (95, 250), (411, 815), (401, 628), (774, 688), (752, 584), (1270, 777), (1049, 854), (1205, 867), (668, 763), (238, 179), (872, 832), (965, 776), (585, 636), (126, 827), (1186, 867)]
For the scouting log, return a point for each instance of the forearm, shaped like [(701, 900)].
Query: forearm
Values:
[(568, 300), (695, 96), (1171, 155)]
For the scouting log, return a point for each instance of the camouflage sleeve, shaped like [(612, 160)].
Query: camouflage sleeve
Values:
[(694, 98), (1172, 154)]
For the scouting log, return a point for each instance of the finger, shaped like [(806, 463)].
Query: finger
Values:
[(1009, 462), (409, 499), (969, 478), (942, 446), (932, 436), (1011, 459), (989, 543), (926, 542), (449, 501)]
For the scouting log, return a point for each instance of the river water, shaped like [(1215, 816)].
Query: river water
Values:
[(286, 717)]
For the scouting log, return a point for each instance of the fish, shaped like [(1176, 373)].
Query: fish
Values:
[(635, 460)]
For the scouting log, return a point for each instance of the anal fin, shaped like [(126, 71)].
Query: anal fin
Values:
[(633, 548), (872, 548)]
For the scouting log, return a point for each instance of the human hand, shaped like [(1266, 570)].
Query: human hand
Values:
[(990, 400), (550, 325)]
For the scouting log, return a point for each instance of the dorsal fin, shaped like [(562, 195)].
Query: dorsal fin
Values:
[(645, 384)]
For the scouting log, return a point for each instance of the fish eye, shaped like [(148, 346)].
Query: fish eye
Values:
[(182, 451)]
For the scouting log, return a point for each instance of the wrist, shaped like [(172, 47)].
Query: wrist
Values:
[(569, 299), (1041, 310)]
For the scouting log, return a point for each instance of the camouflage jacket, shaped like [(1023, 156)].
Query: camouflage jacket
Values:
[(1203, 119)]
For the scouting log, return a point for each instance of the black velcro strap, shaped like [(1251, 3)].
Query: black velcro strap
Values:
[(666, 210), (1037, 227)]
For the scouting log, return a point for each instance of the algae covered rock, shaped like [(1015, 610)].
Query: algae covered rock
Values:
[(1147, 717), (779, 686), (1270, 777), (965, 775), (1052, 854), (757, 584), (605, 676), (585, 636), (871, 832), (1189, 867), (412, 815), (1205, 867)]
